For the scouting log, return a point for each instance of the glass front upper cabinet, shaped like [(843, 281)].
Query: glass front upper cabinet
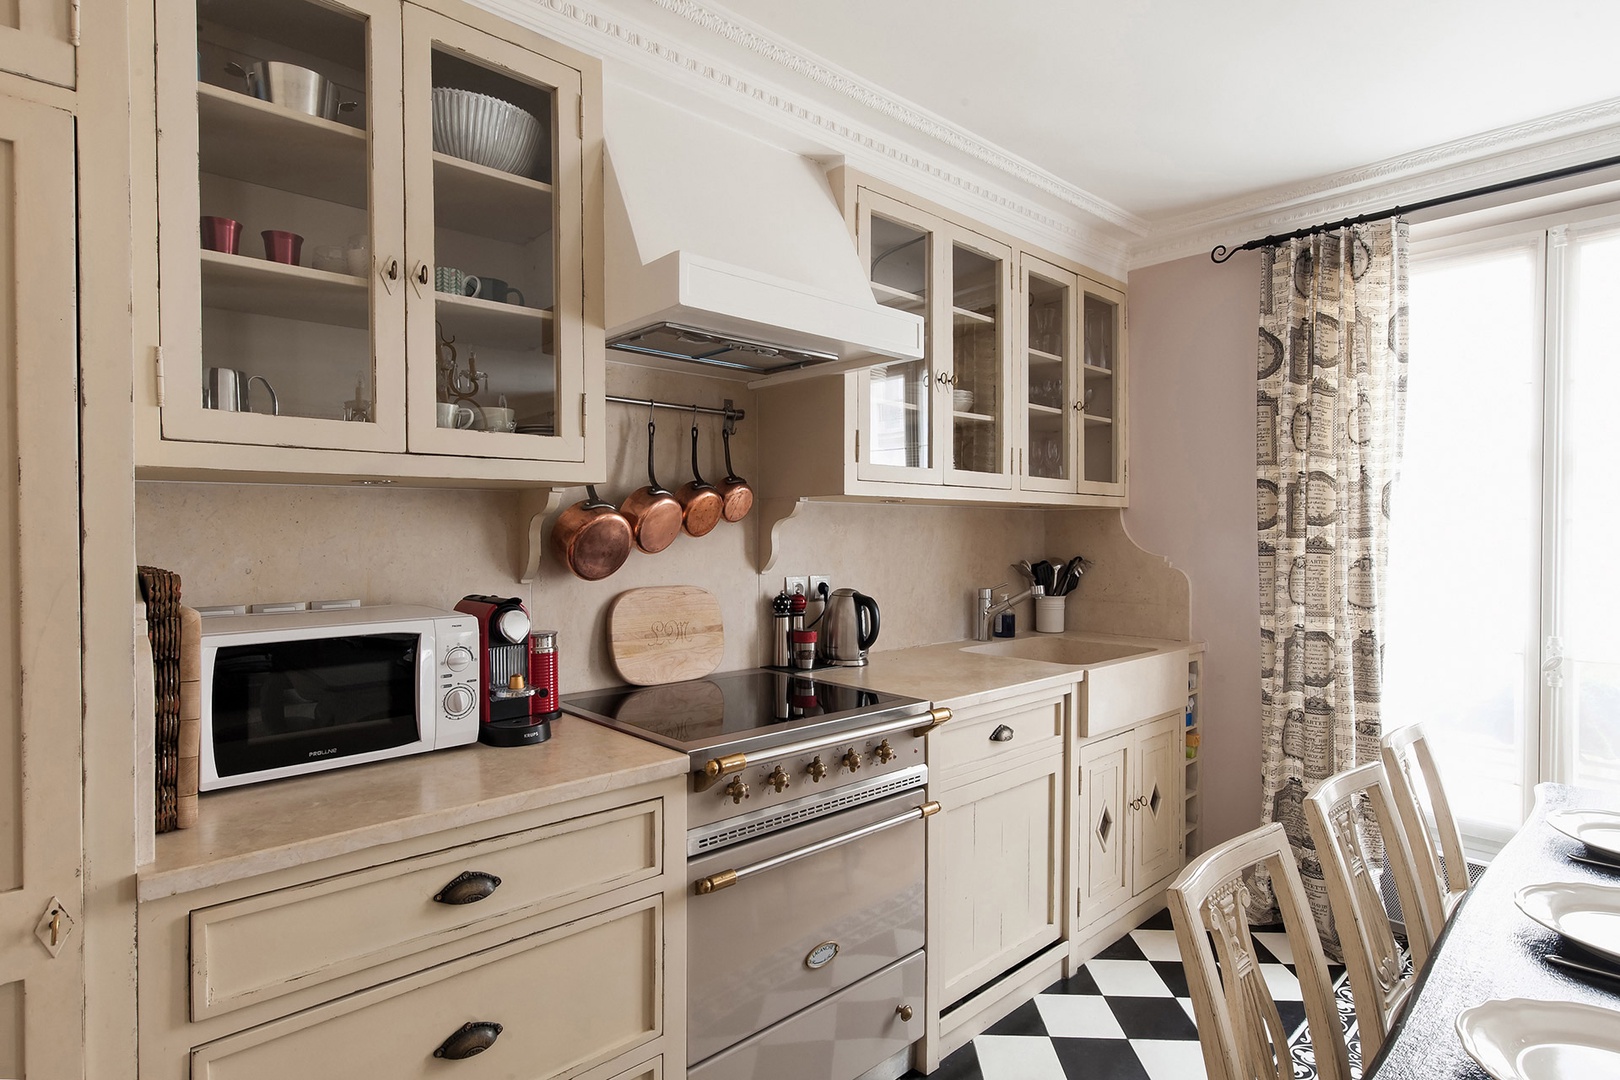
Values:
[(491, 155), (977, 380), (1102, 390), (282, 245), (1051, 385), (898, 397)]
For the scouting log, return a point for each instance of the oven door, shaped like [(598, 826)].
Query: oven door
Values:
[(794, 929)]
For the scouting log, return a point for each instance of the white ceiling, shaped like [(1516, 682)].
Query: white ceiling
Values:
[(1160, 107)]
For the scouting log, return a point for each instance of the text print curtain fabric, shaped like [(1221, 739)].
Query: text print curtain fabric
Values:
[(1330, 412)]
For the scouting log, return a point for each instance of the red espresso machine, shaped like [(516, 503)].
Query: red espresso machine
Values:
[(514, 710)]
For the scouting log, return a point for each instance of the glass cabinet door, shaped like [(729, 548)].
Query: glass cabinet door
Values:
[(980, 282), (282, 223), (897, 398), (1102, 390), (494, 309), (1051, 386)]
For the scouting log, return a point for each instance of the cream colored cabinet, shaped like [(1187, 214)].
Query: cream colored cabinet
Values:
[(1129, 831), (39, 40), (41, 914), (1020, 396), (545, 944), (373, 288)]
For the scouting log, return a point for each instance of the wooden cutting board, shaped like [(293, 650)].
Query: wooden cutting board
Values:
[(666, 633)]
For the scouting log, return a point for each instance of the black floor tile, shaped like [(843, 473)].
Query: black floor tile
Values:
[(1158, 921), (962, 1065), (1174, 976), (1123, 949), (1024, 1020), (1098, 1059), (1081, 982), (1152, 1018)]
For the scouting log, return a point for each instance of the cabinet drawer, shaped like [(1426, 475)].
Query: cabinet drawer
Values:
[(966, 742), (566, 999), (263, 947), (843, 1035)]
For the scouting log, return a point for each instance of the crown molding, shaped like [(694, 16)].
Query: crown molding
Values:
[(1551, 142)]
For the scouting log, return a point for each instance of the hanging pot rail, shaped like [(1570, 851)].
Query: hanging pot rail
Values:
[(726, 410)]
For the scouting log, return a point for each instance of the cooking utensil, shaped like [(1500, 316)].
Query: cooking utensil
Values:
[(292, 87), (849, 626), (666, 633), (1601, 864), (701, 503), (1043, 575), (653, 511), (591, 537), (736, 497), (1565, 962), (228, 390)]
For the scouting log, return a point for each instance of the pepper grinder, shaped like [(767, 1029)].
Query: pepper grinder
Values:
[(781, 609)]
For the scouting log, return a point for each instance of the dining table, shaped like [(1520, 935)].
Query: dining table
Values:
[(1490, 949)]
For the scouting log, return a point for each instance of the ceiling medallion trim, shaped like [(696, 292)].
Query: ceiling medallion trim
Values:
[(585, 27), (927, 123)]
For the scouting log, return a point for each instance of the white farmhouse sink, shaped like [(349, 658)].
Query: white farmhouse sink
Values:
[(1071, 652)]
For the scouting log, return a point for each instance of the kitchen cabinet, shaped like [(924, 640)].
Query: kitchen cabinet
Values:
[(1019, 398), (42, 916), (437, 320), (39, 40), (552, 938)]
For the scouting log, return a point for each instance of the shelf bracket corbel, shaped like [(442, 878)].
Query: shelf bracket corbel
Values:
[(536, 509), (772, 514)]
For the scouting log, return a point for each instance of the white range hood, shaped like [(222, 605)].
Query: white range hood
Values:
[(726, 252)]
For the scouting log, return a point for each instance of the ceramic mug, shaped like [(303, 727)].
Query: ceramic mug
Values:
[(493, 288), (452, 415), (498, 419), (447, 279)]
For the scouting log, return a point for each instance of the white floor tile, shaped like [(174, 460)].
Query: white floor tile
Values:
[(1187, 1006), (1284, 987), (1170, 1060), (1017, 1057), (1277, 945), (1157, 944), (1127, 978), (1078, 1016)]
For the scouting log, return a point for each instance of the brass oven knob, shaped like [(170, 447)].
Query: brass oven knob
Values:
[(817, 769), (737, 789), (886, 753), (852, 760), (778, 779)]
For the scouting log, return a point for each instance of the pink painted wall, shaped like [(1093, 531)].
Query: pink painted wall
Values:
[(1192, 355)]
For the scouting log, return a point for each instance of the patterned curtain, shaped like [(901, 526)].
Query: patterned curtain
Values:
[(1331, 411)]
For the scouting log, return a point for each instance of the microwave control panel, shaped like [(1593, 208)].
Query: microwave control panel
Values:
[(457, 681)]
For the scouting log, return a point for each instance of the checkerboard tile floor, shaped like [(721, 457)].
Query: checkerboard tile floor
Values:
[(1127, 1015)]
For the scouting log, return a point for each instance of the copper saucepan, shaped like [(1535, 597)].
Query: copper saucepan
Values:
[(591, 537), (700, 500), (653, 511), (736, 497)]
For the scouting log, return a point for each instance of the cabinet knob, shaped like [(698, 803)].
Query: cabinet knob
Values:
[(469, 1040), (422, 274), (393, 270), (1003, 733), (468, 887), (905, 1013)]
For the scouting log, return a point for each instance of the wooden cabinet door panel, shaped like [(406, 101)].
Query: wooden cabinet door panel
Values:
[(1105, 866), (1160, 776)]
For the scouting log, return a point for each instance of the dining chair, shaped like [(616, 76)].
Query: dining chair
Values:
[(1432, 837), (1340, 813), (1239, 1027)]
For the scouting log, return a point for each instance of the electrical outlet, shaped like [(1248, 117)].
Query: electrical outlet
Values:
[(797, 585), (817, 583)]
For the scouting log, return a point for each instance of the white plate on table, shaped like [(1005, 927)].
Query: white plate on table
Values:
[(1597, 829), (1587, 914), (1520, 1039)]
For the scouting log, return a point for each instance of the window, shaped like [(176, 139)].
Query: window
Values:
[(1503, 632)]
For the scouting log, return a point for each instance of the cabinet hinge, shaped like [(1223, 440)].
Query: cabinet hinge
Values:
[(73, 25), (584, 411), (857, 446), (157, 364), (579, 115)]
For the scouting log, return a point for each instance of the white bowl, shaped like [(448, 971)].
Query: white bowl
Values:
[(486, 131), (962, 400)]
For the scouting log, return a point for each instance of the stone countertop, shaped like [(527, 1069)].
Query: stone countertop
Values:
[(258, 828), (952, 676)]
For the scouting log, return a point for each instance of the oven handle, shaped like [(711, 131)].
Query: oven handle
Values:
[(716, 768), (727, 878)]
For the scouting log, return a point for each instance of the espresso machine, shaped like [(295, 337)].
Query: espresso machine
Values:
[(513, 711)]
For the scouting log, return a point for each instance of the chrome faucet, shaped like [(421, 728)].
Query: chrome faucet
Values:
[(988, 609)]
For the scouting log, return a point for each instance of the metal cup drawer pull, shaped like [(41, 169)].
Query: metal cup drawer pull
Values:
[(470, 1040), (468, 887), (1003, 733)]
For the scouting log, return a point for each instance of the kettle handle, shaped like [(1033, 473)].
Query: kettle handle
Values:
[(866, 609)]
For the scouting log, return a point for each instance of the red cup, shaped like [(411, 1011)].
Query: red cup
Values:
[(221, 234), (282, 247)]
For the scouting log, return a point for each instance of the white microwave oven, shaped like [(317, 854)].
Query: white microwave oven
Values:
[(307, 691)]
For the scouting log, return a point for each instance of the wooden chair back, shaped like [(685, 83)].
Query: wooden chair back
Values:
[(1340, 813), (1431, 832), (1239, 1027)]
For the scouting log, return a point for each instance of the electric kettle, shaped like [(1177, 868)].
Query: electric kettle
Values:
[(849, 626)]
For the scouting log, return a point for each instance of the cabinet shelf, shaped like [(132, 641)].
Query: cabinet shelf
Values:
[(470, 198), (477, 322), (976, 418), (1095, 372), (261, 287), (1044, 410), (1044, 357), (899, 299), (1098, 421), (973, 316), (246, 139)]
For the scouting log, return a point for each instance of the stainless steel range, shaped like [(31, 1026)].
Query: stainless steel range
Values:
[(805, 858)]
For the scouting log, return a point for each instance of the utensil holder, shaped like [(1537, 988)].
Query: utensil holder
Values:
[(1049, 614)]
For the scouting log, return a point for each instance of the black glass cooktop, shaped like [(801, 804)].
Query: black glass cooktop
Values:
[(710, 711)]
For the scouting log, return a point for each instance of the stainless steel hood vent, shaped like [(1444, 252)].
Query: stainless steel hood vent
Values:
[(728, 253)]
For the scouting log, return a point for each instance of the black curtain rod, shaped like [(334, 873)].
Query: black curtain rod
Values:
[(1221, 253)]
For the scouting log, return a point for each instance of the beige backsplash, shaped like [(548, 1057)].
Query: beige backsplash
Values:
[(259, 543)]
